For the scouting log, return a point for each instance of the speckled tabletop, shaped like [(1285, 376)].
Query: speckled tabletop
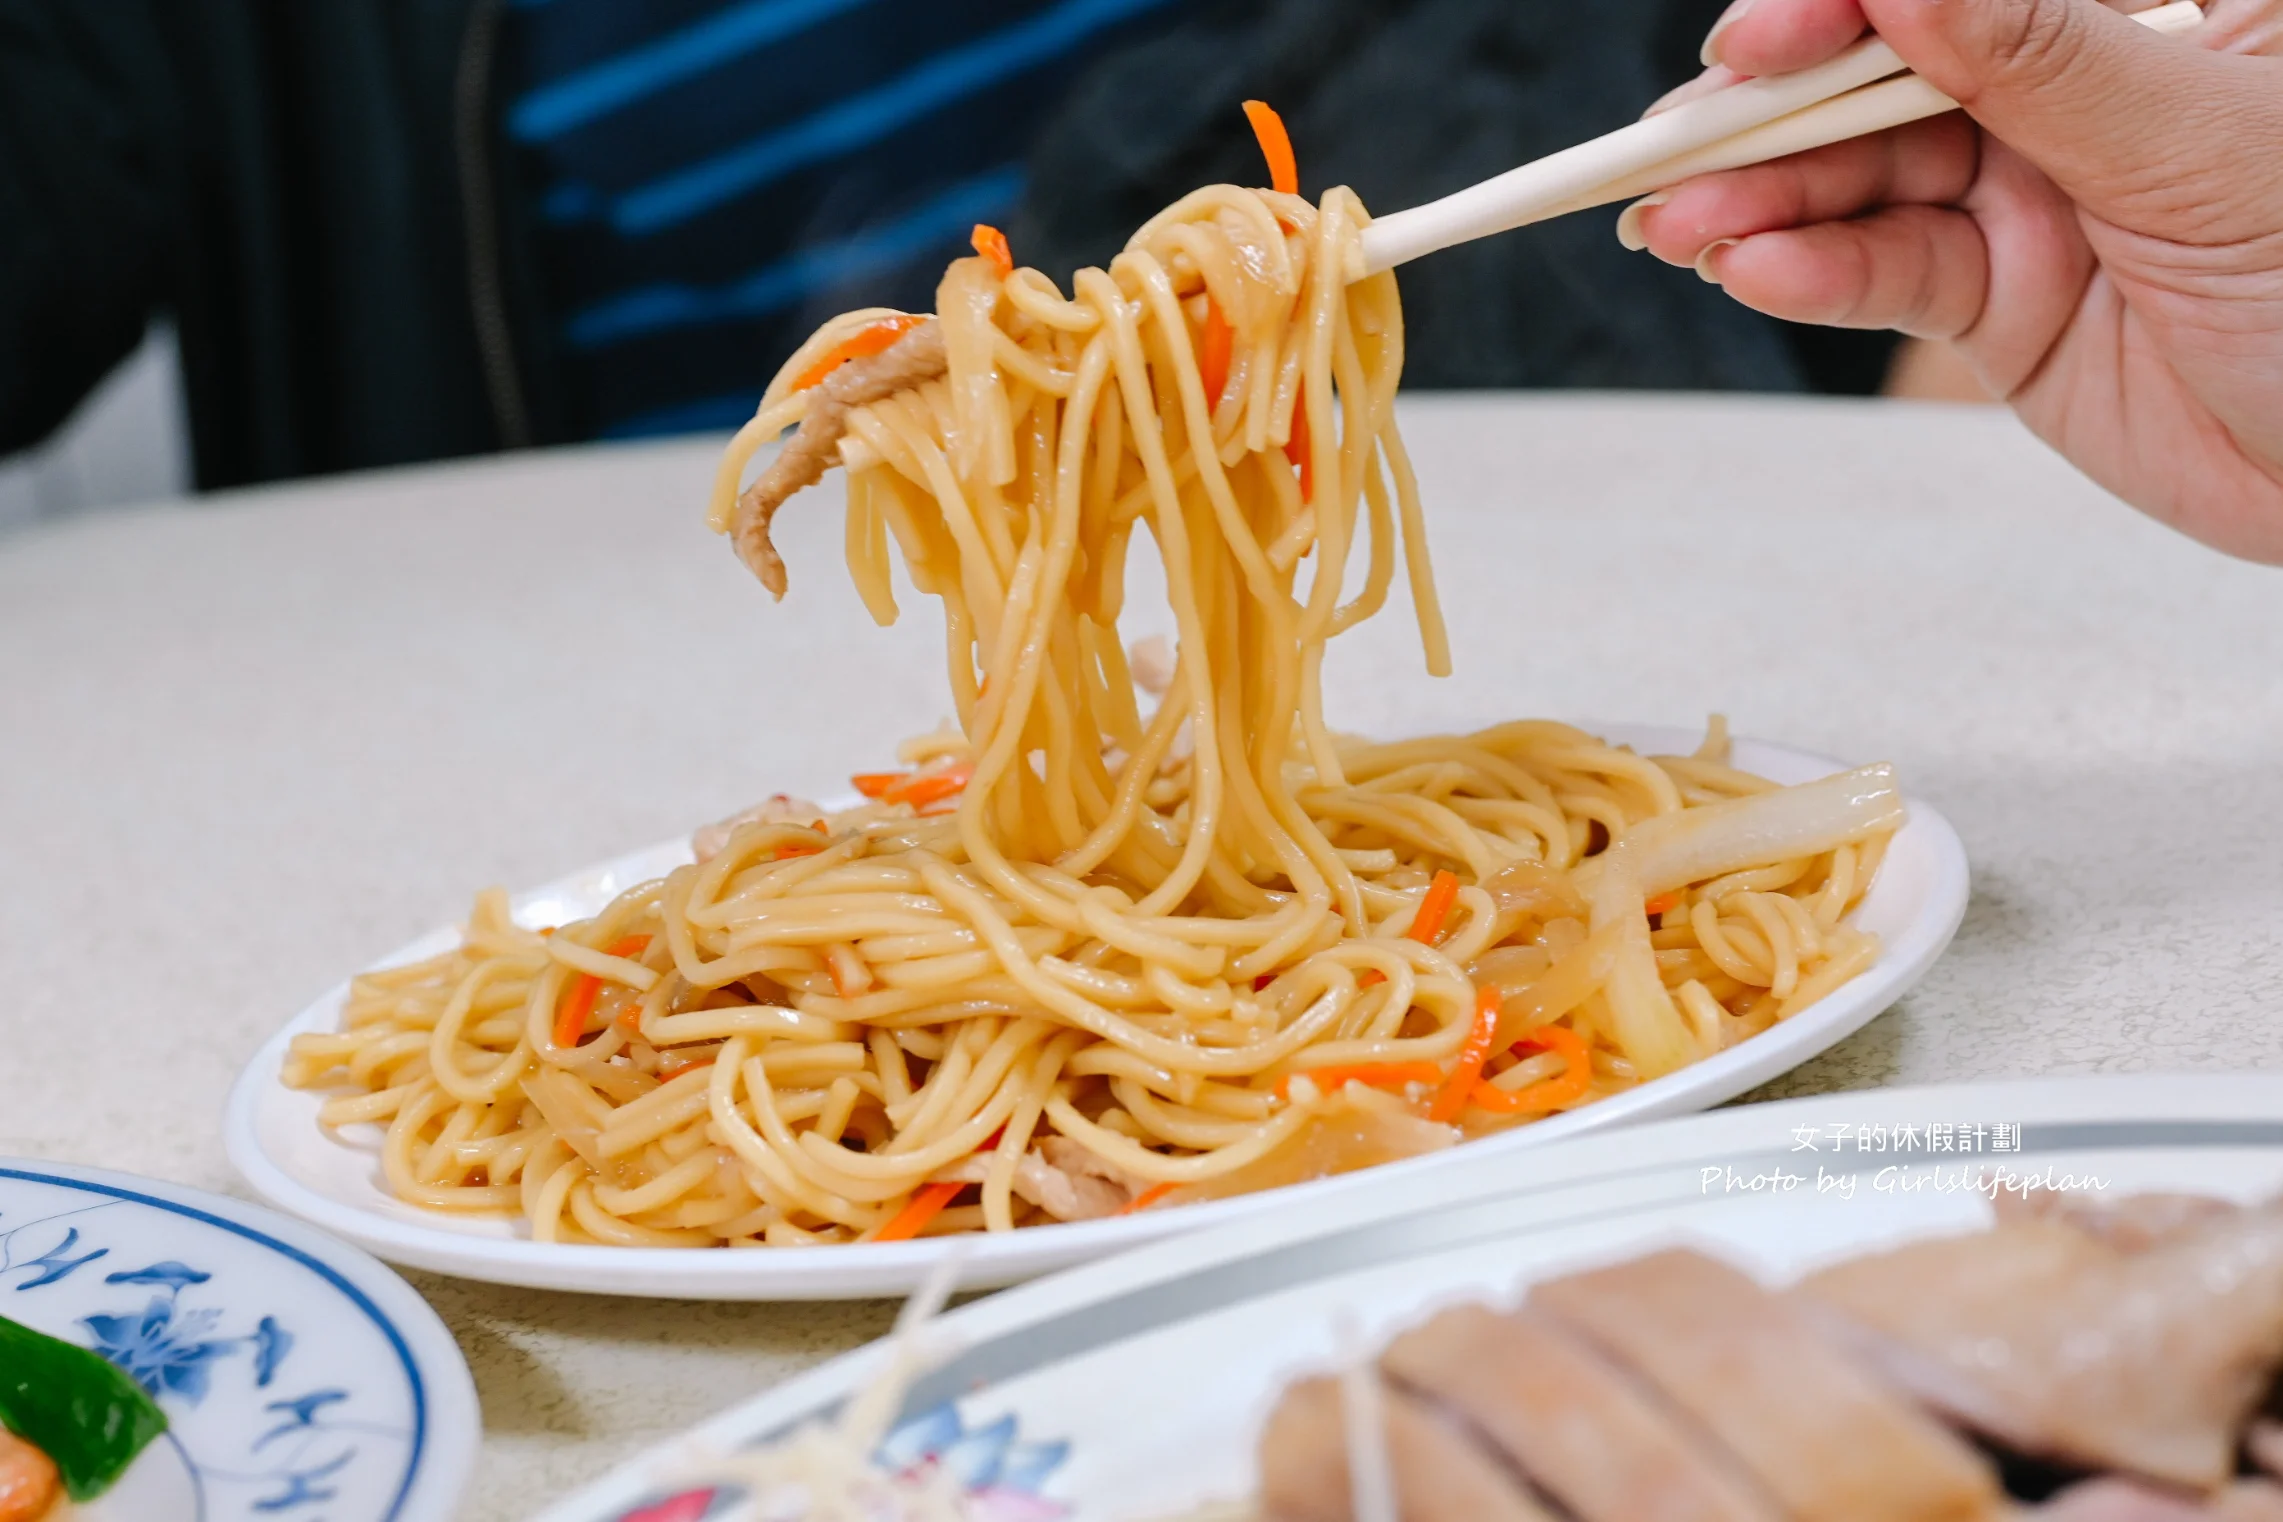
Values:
[(249, 743)]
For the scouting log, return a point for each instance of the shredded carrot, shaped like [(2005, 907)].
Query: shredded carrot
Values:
[(1442, 892), (1376, 1075), (1147, 1198), (925, 788), (919, 789), (1451, 1099), (1275, 146), (1427, 924), (579, 999), (630, 1019), (848, 982), (1296, 446), (1548, 1093), (545, 931), (788, 852), (992, 245), (1661, 904), (872, 338), (925, 1206), (1214, 348)]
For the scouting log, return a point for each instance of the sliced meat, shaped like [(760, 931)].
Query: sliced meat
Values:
[(777, 808), (2129, 1223), (2108, 1500), (1816, 1431), (1086, 1169), (1062, 1192), (2056, 1344), (1589, 1436), (915, 358), (1151, 662), (1075, 1158), (1441, 1475)]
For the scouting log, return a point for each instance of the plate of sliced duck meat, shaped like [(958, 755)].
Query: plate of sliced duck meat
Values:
[(2053, 1300)]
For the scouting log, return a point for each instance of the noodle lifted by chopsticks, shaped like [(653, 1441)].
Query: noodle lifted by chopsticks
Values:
[(1086, 954)]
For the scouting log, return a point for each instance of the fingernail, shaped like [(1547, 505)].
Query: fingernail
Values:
[(1718, 77), (1728, 18), (1629, 220), (1671, 98), (1704, 265)]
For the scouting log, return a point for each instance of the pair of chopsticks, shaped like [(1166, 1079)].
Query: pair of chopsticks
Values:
[(1864, 90)]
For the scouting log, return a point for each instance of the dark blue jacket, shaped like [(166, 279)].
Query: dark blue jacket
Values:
[(317, 190)]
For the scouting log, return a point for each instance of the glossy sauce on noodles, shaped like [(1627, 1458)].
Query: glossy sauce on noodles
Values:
[(1087, 953)]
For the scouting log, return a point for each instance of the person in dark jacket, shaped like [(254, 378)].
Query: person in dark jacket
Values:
[(398, 230)]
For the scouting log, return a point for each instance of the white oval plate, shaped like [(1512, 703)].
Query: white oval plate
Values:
[(334, 1181), (1134, 1389), (300, 1379)]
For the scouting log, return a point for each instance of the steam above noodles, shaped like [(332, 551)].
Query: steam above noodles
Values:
[(1088, 954)]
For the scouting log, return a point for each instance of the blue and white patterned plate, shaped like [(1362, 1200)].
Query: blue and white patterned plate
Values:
[(301, 1380)]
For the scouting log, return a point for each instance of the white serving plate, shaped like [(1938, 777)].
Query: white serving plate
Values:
[(300, 1379), (275, 1141), (1133, 1389)]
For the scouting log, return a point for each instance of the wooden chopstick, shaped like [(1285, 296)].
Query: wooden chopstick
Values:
[(1851, 95)]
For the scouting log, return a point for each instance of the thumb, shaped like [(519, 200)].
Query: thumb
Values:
[(2147, 131)]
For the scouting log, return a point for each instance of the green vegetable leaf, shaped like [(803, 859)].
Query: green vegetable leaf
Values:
[(76, 1407)]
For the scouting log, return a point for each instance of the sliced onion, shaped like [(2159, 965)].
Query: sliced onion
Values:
[(1351, 1132), (1673, 850), (1509, 969), (1531, 890)]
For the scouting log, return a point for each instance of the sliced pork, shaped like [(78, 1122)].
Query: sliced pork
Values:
[(1589, 1436), (777, 808), (1817, 1431), (2127, 1350), (1441, 1475), (917, 357), (2058, 1344), (1060, 1177), (2129, 1223)]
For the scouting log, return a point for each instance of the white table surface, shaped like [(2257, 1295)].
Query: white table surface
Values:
[(247, 744)]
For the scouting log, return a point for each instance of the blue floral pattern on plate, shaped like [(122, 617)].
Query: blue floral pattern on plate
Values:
[(289, 1393), (1001, 1475)]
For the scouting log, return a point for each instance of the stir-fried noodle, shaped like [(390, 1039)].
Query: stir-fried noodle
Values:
[(1091, 955)]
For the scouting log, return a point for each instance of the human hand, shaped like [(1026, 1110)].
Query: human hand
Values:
[(2100, 233)]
